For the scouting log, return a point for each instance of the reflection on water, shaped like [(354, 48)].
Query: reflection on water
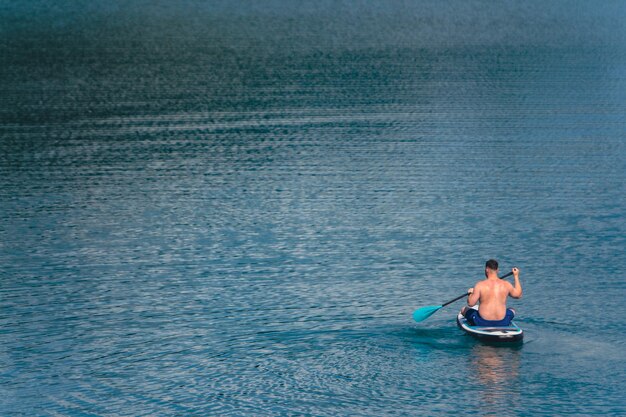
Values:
[(496, 371)]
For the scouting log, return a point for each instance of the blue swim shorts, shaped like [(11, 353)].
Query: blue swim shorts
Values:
[(474, 319)]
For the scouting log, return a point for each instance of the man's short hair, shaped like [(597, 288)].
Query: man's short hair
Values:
[(492, 264)]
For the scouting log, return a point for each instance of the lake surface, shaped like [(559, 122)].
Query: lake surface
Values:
[(234, 208)]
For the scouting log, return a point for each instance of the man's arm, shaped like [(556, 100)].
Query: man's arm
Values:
[(474, 295), (516, 292)]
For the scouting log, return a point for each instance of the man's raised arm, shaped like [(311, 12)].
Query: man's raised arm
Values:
[(516, 292)]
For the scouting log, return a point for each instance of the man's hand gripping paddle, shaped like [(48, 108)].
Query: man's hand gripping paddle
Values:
[(423, 313)]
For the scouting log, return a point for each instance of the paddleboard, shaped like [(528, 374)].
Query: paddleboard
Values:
[(508, 334)]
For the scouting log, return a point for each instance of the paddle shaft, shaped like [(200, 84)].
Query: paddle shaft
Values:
[(457, 298), (461, 296)]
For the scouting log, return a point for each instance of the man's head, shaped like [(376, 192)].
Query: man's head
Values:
[(491, 267)]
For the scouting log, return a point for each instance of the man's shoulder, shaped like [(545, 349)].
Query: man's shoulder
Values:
[(506, 284), (488, 283)]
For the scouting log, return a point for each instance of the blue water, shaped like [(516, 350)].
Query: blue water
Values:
[(233, 208)]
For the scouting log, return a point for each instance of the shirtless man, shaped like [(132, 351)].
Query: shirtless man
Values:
[(492, 293)]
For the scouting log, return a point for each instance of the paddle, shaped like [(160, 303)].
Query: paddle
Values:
[(423, 313)]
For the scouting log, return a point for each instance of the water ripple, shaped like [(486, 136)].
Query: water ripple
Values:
[(201, 220)]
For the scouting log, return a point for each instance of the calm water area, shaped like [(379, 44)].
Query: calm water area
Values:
[(232, 208)]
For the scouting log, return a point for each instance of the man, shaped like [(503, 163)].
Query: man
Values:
[(492, 294)]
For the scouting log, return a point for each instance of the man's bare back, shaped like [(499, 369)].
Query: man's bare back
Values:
[(492, 293)]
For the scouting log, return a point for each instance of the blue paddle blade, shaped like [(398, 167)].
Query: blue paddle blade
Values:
[(425, 312)]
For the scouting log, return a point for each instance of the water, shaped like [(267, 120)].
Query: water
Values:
[(233, 208)]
